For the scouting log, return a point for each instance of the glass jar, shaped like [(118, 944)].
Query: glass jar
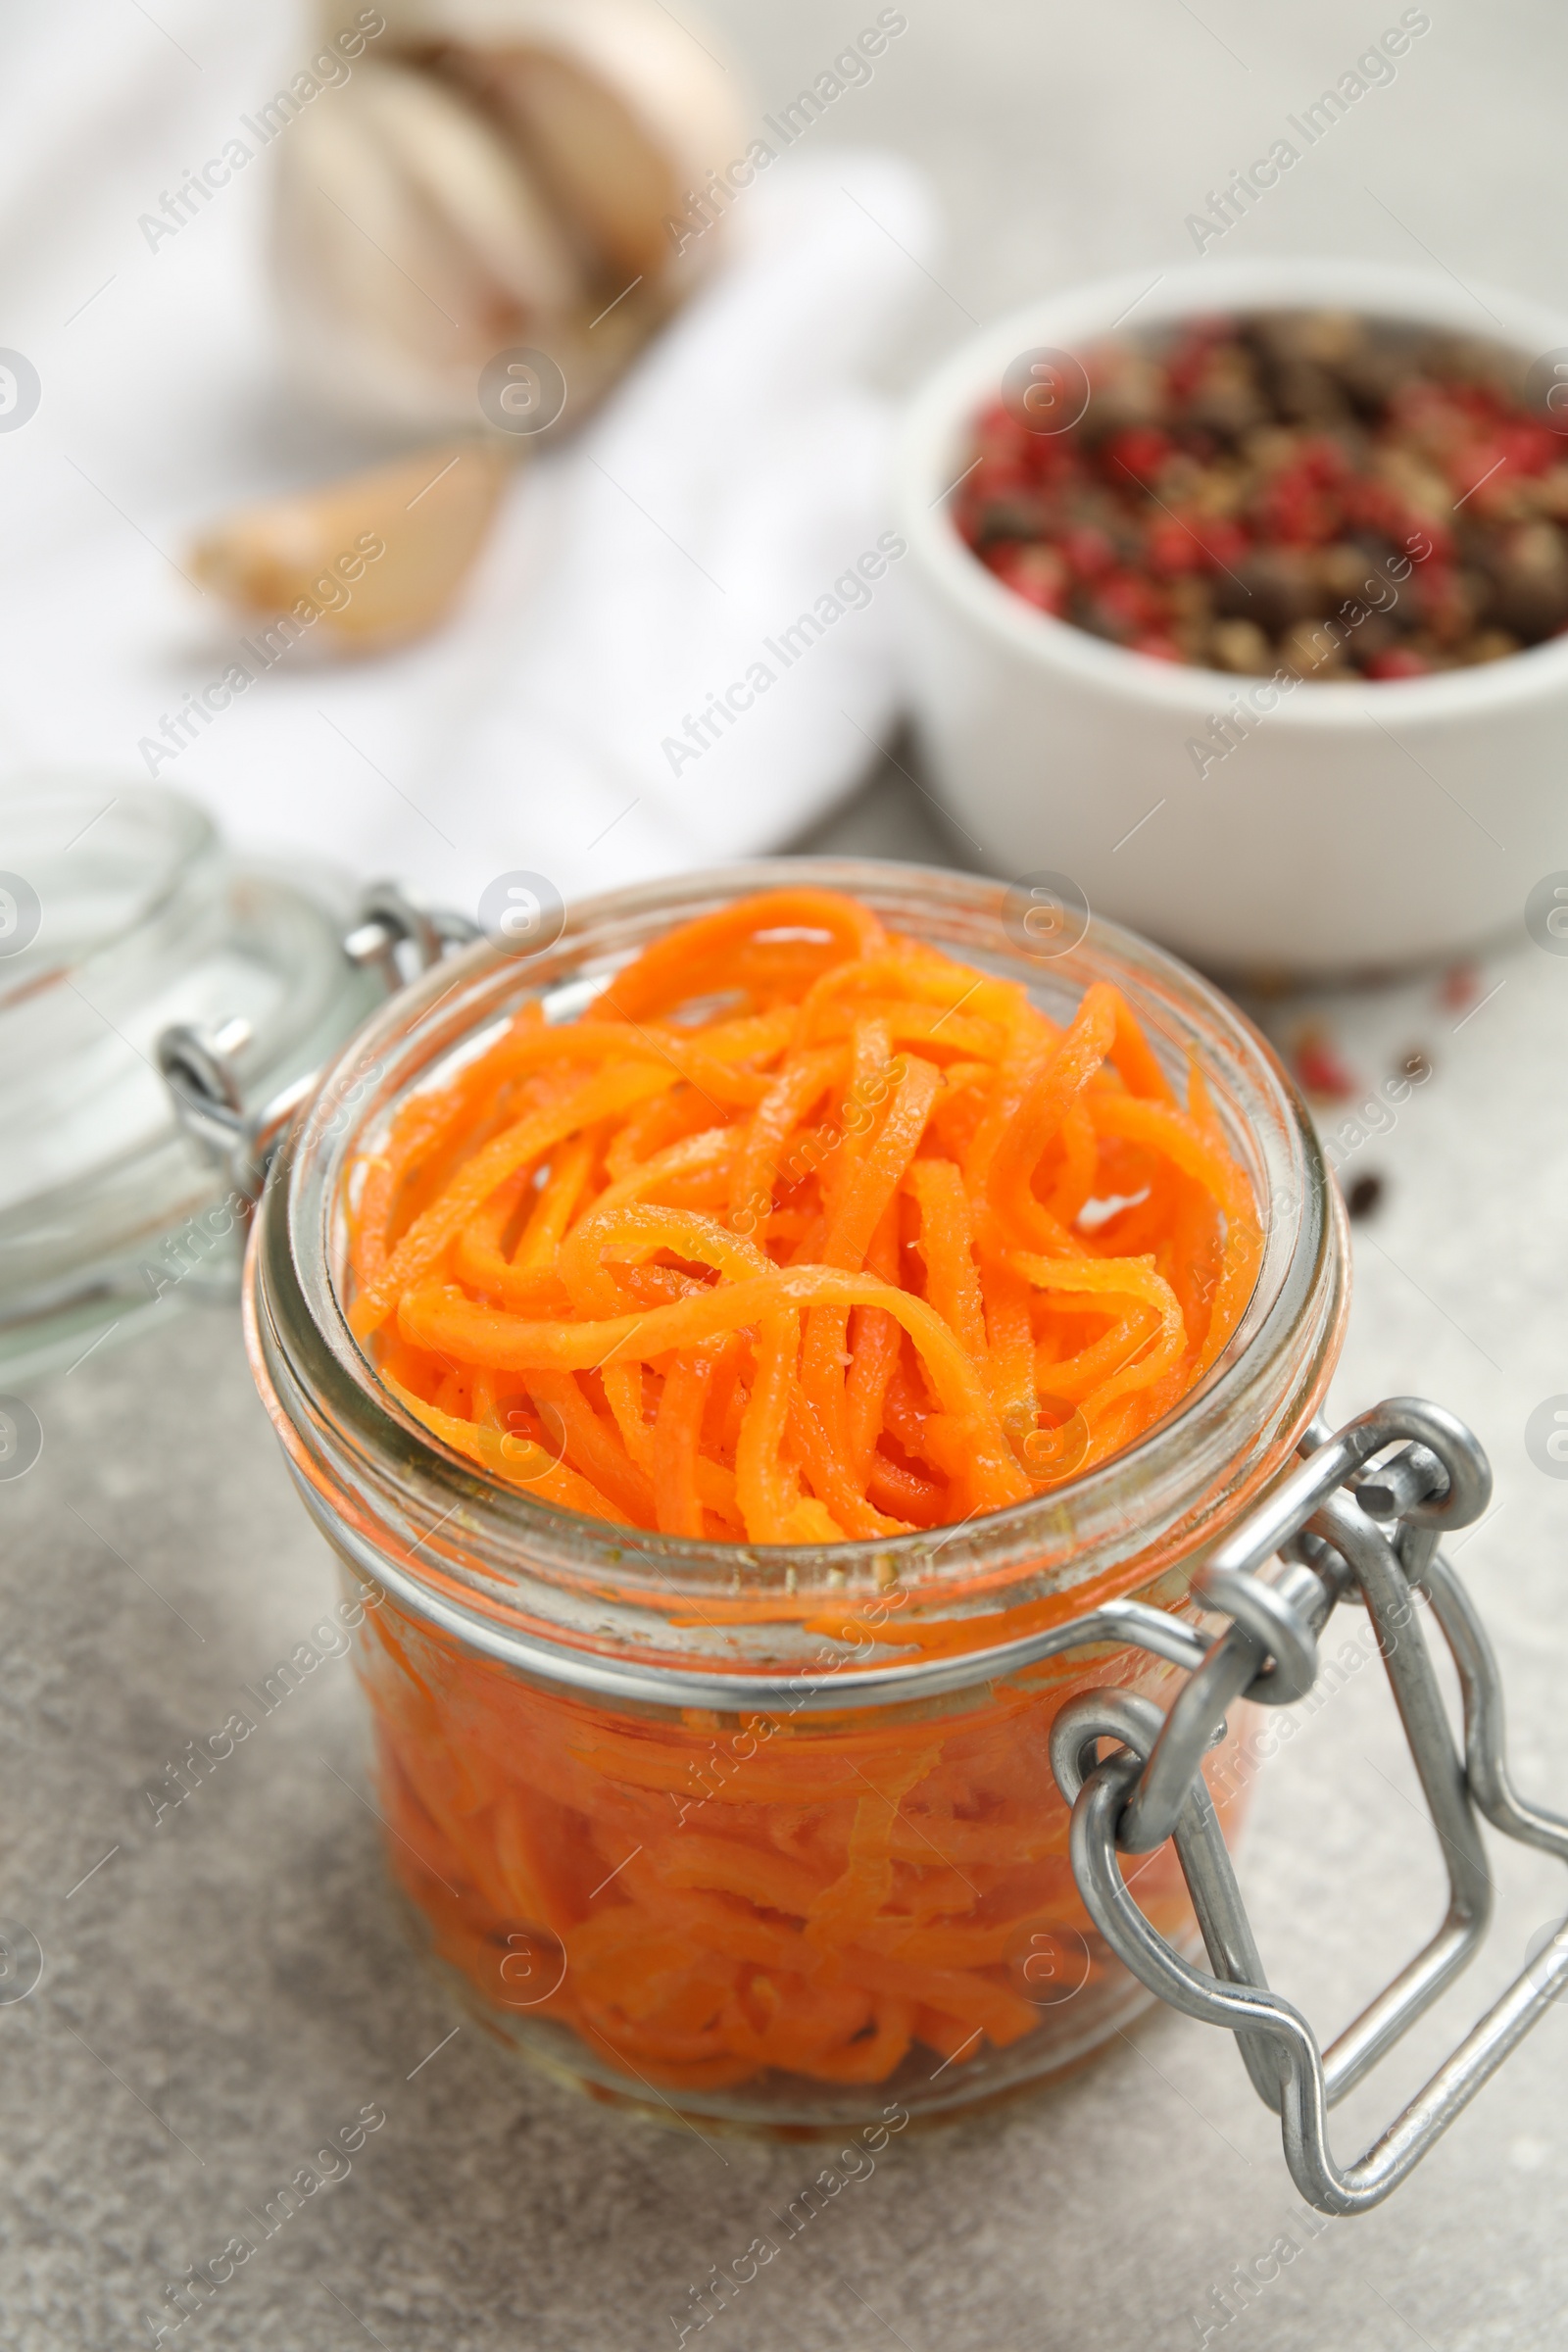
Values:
[(121, 913), (768, 1836)]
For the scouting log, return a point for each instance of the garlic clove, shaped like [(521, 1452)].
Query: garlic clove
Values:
[(604, 172), (363, 261), (623, 109), (476, 183), (376, 558), (677, 99)]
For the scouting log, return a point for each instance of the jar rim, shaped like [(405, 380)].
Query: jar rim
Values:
[(381, 1483)]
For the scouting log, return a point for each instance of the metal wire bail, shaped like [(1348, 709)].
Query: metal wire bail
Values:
[(396, 937), (1330, 1527)]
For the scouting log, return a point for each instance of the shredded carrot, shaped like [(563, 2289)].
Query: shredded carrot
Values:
[(705, 1906), (805, 1233)]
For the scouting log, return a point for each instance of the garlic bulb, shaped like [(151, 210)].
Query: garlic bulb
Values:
[(493, 175)]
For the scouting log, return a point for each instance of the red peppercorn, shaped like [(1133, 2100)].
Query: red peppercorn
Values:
[(1001, 435), (1374, 507), (1057, 462), (1427, 540), (1131, 604), (1398, 663), (1140, 450), (1474, 463), (1188, 362), (1323, 463), (1089, 552), (1172, 548), (1442, 602), (1224, 543), (1319, 1067), (1428, 417), (1294, 512), (1036, 573), (1532, 448)]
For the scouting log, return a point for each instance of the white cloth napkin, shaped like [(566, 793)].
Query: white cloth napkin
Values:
[(564, 720)]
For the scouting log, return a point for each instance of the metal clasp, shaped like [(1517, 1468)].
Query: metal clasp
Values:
[(394, 937), (1331, 1525)]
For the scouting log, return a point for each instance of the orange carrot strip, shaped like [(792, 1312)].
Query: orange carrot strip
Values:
[(872, 1183), (1124, 1277), (612, 1090), (877, 1340), (835, 1479), (1203, 1157), (797, 1087), (1041, 1113), (590, 1445), (479, 1260), (767, 1493), (946, 1244), (1135, 1057), (1010, 1358), (870, 1179), (551, 1212), (518, 1462), (673, 968), (1080, 1155), (678, 1432), (629, 1232)]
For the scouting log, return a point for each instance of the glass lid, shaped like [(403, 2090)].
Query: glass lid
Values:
[(123, 913)]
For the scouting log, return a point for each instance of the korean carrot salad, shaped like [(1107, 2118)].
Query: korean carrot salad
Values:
[(803, 1232)]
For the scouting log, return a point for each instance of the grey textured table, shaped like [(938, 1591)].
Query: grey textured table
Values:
[(229, 1987)]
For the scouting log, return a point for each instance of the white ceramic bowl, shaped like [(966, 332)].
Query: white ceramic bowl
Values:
[(1356, 826)]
